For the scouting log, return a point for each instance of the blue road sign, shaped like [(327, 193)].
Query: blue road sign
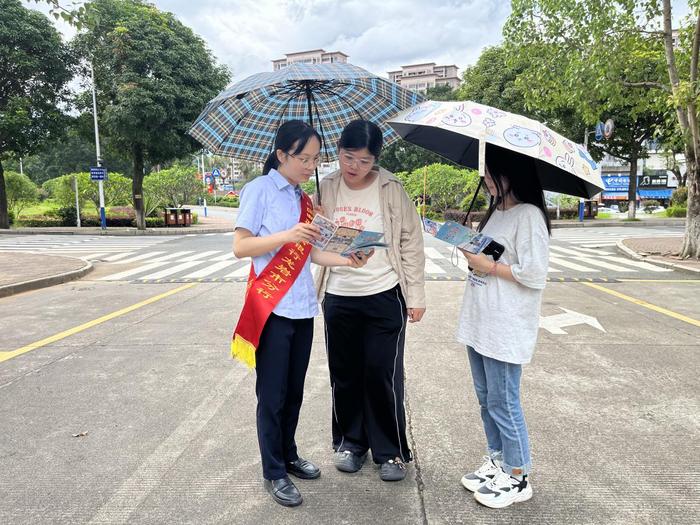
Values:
[(215, 172), (98, 173), (599, 131)]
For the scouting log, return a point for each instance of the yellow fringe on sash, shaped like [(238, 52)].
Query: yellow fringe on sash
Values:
[(243, 351)]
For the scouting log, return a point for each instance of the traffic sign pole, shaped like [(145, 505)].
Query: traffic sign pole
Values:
[(103, 217)]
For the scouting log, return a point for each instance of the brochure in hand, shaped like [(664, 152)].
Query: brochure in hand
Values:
[(344, 240), (458, 235)]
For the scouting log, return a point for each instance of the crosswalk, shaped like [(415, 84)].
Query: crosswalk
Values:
[(592, 238), (151, 260)]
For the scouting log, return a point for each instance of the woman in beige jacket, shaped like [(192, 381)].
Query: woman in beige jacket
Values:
[(366, 310)]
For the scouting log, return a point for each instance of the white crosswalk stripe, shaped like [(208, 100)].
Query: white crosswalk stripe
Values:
[(209, 270)]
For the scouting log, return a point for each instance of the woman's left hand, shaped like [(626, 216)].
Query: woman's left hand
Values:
[(415, 314), (359, 259), (480, 262)]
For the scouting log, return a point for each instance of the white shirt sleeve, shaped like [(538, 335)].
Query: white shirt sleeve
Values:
[(532, 249)]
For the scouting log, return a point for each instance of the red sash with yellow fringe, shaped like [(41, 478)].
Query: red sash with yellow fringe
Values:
[(265, 291)]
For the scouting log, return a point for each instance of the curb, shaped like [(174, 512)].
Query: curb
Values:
[(626, 224), (44, 282), (634, 255)]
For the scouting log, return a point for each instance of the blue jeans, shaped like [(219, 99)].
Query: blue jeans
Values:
[(497, 386)]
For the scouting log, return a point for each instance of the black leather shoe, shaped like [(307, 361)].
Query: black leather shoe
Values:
[(303, 469), (283, 491)]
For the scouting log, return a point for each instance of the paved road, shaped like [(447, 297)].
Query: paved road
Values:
[(588, 253), (119, 404)]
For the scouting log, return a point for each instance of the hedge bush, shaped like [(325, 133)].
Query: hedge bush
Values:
[(676, 211)]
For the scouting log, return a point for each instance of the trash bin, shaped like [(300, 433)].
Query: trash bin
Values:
[(171, 217), (185, 216)]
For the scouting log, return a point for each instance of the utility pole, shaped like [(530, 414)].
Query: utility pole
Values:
[(103, 217)]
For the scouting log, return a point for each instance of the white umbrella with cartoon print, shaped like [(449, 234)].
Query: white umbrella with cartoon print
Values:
[(461, 131)]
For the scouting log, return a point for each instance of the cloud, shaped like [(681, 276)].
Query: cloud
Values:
[(378, 35)]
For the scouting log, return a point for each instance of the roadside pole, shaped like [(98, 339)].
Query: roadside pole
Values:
[(100, 182), (77, 201)]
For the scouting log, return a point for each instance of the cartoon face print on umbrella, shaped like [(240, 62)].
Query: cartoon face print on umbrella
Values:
[(421, 111), (457, 118), (496, 113), (549, 137), (566, 162), (521, 137)]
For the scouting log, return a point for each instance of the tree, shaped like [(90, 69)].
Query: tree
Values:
[(72, 154), (446, 186), (621, 52), (62, 190), (153, 77), (441, 92), (20, 192), (35, 67), (404, 156), (179, 184)]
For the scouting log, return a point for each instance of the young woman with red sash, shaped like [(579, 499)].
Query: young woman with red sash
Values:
[(275, 329)]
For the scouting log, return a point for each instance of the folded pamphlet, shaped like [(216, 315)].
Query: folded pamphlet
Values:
[(458, 235), (344, 240)]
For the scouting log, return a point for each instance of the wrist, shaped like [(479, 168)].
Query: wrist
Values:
[(494, 268)]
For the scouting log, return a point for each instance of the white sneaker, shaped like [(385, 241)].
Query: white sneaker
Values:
[(503, 490), (485, 473)]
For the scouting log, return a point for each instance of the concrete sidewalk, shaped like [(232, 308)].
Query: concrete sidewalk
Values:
[(21, 272), (659, 250)]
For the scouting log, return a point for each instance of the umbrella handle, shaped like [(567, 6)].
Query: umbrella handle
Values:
[(471, 204)]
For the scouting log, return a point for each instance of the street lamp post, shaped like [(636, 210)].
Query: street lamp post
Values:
[(103, 217)]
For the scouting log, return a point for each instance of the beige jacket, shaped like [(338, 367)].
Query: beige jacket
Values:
[(402, 232)]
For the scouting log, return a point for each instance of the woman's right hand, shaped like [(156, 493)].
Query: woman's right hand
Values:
[(303, 232)]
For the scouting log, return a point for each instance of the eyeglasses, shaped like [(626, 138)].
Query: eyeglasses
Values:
[(349, 160), (307, 161)]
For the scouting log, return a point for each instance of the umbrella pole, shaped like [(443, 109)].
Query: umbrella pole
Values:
[(425, 190), (309, 99), (471, 204)]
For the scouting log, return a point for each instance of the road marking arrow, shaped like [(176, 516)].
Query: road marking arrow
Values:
[(554, 323)]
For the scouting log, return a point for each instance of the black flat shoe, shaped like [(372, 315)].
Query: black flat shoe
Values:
[(303, 469), (346, 461), (283, 491)]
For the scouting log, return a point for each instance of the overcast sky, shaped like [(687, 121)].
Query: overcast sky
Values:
[(379, 35)]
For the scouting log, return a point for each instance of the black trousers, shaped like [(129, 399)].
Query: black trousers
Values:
[(281, 359), (365, 344)]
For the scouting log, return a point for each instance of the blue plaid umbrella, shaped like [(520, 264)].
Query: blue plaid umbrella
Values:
[(242, 121)]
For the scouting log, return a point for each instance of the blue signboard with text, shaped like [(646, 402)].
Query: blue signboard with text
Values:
[(98, 173)]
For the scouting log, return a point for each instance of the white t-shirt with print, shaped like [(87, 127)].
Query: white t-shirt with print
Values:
[(500, 318), (361, 209)]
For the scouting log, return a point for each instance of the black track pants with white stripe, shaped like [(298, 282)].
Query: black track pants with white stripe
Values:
[(365, 345)]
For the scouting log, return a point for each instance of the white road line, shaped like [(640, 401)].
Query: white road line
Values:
[(553, 270), (200, 255), (133, 271), (567, 264), (171, 270), (208, 270), (172, 255), (93, 256), (433, 253), (226, 257), (243, 271), (567, 251), (637, 264), (431, 267), (113, 258), (603, 264), (141, 257)]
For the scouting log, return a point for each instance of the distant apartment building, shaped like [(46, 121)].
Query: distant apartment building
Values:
[(315, 56), (420, 77)]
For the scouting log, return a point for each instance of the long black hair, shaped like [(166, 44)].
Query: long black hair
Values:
[(292, 137), (521, 173), (360, 134)]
